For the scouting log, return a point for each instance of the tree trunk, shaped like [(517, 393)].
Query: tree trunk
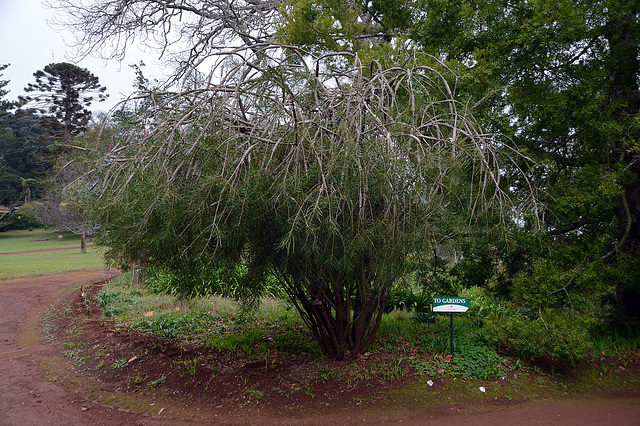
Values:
[(83, 242), (344, 326)]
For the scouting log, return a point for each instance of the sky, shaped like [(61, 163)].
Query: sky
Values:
[(28, 43)]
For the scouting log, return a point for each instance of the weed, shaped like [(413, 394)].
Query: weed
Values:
[(326, 373), (71, 353), (82, 361), (283, 392), (397, 369), (473, 361), (160, 380), (307, 390), (119, 363), (192, 366), (138, 379), (250, 342), (257, 394)]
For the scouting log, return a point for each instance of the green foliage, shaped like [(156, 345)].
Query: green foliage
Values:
[(561, 284), (471, 361), (119, 363), (549, 335), (24, 217), (408, 300), (205, 281), (25, 152), (483, 305), (327, 210), (248, 343), (174, 325), (114, 302), (397, 332)]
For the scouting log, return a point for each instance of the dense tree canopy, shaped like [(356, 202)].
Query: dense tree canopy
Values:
[(23, 142), (570, 76)]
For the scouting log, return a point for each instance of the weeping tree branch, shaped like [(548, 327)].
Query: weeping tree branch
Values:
[(324, 169)]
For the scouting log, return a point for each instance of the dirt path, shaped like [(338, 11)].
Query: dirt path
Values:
[(28, 396), (32, 396)]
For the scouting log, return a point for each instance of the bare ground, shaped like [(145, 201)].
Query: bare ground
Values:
[(62, 364)]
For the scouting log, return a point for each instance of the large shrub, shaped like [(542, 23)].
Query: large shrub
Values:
[(547, 335)]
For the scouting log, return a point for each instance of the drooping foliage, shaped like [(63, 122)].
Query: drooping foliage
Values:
[(322, 172)]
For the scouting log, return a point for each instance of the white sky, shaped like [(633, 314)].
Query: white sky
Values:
[(28, 43)]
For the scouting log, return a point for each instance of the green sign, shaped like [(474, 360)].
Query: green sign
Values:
[(450, 304)]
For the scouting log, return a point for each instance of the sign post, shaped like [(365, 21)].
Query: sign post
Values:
[(451, 305)]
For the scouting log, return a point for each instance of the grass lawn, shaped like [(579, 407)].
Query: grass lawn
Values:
[(20, 265), (38, 239)]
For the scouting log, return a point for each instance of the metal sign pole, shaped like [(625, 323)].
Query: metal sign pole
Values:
[(450, 304), (452, 334)]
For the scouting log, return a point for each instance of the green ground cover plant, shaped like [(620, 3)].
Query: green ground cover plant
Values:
[(489, 327), (210, 347), (417, 342)]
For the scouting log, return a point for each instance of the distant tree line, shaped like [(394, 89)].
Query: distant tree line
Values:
[(34, 131)]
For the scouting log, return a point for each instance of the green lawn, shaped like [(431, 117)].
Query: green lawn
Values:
[(20, 265), (38, 239)]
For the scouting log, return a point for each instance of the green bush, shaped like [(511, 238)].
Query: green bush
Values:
[(483, 305), (23, 218), (196, 282), (551, 336), (407, 300)]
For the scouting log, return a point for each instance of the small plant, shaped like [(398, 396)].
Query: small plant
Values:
[(283, 392), (82, 361), (397, 369), (257, 394), (119, 363), (72, 353), (307, 390), (549, 335), (160, 380), (139, 379), (473, 360), (192, 366)]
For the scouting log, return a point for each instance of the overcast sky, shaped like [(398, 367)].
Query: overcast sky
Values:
[(28, 43)]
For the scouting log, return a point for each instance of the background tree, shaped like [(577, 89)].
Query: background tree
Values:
[(23, 144), (9, 191), (570, 76), (64, 91), (63, 216)]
